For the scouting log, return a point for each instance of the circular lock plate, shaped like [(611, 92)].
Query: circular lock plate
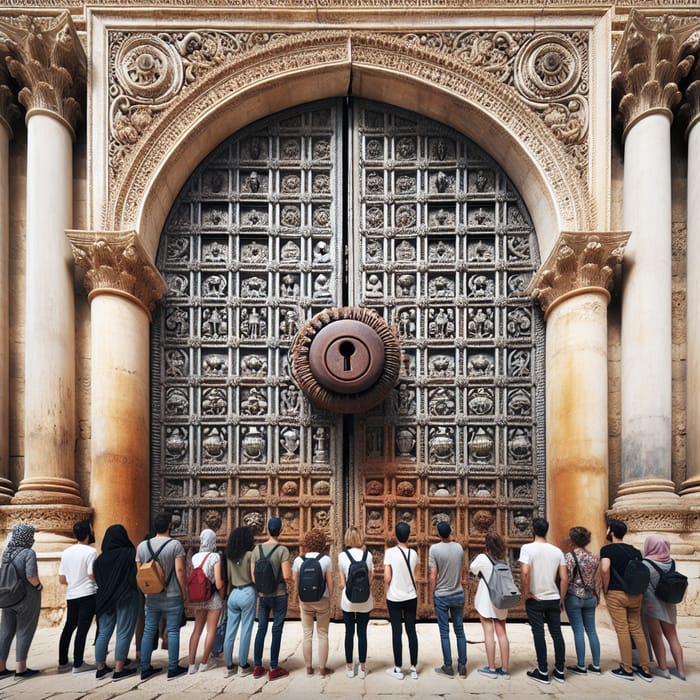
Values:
[(347, 356)]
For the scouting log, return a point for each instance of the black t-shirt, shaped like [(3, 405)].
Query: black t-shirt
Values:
[(619, 554)]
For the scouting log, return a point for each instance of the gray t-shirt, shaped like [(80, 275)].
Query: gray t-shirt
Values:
[(166, 558), (448, 559), (25, 563)]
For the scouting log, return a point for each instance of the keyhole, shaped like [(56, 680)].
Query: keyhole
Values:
[(347, 349)]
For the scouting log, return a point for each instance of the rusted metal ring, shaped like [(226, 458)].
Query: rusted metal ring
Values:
[(346, 359)]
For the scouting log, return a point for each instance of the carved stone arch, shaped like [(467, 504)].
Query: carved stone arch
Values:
[(301, 68)]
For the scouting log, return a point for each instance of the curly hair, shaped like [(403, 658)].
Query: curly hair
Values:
[(315, 540), (495, 545), (240, 541)]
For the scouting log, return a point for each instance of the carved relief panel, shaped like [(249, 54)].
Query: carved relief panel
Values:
[(445, 251), (266, 234)]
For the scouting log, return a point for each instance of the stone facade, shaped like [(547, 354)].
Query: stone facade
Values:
[(120, 105)]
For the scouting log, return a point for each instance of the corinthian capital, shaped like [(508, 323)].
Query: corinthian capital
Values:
[(690, 109), (654, 56), (117, 262), (46, 58), (579, 262), (8, 105)]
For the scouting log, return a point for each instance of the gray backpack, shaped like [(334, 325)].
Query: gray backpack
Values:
[(12, 588), (503, 592)]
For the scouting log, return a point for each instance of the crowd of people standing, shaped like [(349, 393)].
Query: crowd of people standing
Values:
[(246, 578)]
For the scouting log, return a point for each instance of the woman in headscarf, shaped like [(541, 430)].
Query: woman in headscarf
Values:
[(20, 620), (206, 613), (117, 601), (660, 616)]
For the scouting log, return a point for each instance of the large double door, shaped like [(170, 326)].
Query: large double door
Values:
[(349, 203)]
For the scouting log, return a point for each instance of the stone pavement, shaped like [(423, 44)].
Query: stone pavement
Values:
[(298, 686)]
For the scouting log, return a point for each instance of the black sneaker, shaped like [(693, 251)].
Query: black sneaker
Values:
[(594, 669), (446, 670), (103, 672), (150, 671), (577, 669), (124, 673), (27, 673), (621, 673), (538, 676), (644, 675), (176, 672), (559, 676), (462, 670)]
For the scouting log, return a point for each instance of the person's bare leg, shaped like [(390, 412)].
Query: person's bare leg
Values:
[(212, 620), (503, 643), (657, 641), (671, 634), (489, 641), (200, 617)]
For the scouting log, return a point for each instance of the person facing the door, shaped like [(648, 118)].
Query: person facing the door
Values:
[(402, 599)]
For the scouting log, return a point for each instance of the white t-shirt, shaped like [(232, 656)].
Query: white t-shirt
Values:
[(544, 560), (76, 564), (482, 600), (401, 586), (344, 566), (324, 561)]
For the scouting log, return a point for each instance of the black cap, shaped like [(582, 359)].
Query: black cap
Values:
[(274, 524), (444, 529), (403, 530)]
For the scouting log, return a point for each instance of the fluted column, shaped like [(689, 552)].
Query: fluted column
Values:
[(690, 489), (573, 287), (8, 113), (648, 64), (47, 60), (123, 286)]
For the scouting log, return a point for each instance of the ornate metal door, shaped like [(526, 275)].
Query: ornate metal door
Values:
[(360, 205)]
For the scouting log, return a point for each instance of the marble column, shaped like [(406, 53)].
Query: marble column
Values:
[(8, 112), (47, 59), (123, 286), (649, 62), (690, 488), (573, 287)]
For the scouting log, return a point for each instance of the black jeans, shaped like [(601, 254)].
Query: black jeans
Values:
[(539, 612), (361, 620), (80, 614), (405, 612)]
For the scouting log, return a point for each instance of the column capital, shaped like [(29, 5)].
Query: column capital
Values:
[(689, 112), (580, 261), (653, 57), (9, 111), (115, 262), (45, 56)]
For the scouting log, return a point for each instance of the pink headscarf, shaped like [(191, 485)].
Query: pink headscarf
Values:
[(657, 548)]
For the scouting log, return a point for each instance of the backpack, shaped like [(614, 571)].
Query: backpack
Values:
[(672, 584), (149, 576), (588, 586), (636, 577), (12, 588), (357, 586), (502, 590), (312, 582), (199, 588), (266, 578)]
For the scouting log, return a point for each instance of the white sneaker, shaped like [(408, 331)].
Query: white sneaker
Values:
[(350, 672), (395, 673), (362, 673), (84, 667), (205, 667), (414, 673), (192, 668)]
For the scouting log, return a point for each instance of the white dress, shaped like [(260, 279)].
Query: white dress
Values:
[(482, 600)]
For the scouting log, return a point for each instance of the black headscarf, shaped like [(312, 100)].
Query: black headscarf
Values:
[(114, 569), (22, 537)]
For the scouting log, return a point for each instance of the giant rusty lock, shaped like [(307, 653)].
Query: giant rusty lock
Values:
[(347, 356), (346, 359)]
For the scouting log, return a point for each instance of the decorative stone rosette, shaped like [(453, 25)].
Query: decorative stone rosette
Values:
[(307, 377)]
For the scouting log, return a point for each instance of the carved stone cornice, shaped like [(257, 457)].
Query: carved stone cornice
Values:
[(653, 57), (45, 56), (580, 261), (116, 262)]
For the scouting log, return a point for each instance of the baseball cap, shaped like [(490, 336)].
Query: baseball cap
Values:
[(274, 524), (444, 529), (403, 530)]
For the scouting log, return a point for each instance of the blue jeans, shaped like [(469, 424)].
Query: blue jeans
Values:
[(172, 607), (124, 618), (241, 611), (581, 613), (277, 604), (539, 612), (446, 606)]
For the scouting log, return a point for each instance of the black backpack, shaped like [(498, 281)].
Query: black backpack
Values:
[(266, 578), (12, 588), (672, 584), (312, 582), (636, 577), (357, 586)]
